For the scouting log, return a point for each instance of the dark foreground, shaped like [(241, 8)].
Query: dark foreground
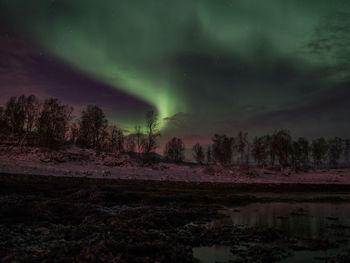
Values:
[(53, 219)]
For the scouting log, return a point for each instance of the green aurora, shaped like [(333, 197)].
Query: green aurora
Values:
[(204, 58)]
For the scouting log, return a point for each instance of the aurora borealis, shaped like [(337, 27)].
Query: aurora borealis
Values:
[(206, 66)]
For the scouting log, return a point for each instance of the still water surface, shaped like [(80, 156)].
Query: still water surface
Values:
[(301, 221)]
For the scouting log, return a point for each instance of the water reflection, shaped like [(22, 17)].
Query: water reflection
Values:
[(301, 221)]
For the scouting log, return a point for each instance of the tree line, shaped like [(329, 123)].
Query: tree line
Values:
[(278, 149), (27, 121)]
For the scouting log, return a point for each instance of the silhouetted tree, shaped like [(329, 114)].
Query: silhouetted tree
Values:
[(242, 145), (319, 150), (74, 132), (16, 115), (174, 150), (116, 139), (300, 153), (49, 124), (271, 149), (139, 137), (120, 140), (334, 151), (295, 154), (222, 149), (260, 149), (209, 157), (130, 144), (93, 126), (198, 153), (347, 151), (3, 123), (304, 147), (52, 123), (149, 143), (31, 108), (281, 143)]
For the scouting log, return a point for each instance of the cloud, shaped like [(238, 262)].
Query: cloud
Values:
[(179, 119), (331, 40), (326, 111)]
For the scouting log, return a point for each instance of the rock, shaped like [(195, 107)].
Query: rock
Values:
[(333, 218), (320, 244), (87, 173), (106, 173)]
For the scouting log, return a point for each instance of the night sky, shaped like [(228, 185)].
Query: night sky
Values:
[(206, 66)]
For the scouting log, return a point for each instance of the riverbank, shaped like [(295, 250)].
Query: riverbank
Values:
[(48, 219), (77, 162)]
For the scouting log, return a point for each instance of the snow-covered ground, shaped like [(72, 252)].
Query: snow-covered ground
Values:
[(70, 163)]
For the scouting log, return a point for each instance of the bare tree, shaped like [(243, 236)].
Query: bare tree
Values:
[(242, 145), (31, 107), (299, 153), (319, 148), (334, 151), (139, 137), (120, 140), (271, 150), (222, 149), (304, 147), (260, 149), (93, 126), (198, 153), (174, 150), (112, 138), (116, 139), (347, 151), (152, 124), (281, 143), (295, 155), (149, 143), (3, 123), (74, 132), (52, 123), (15, 115), (130, 143), (208, 156)]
